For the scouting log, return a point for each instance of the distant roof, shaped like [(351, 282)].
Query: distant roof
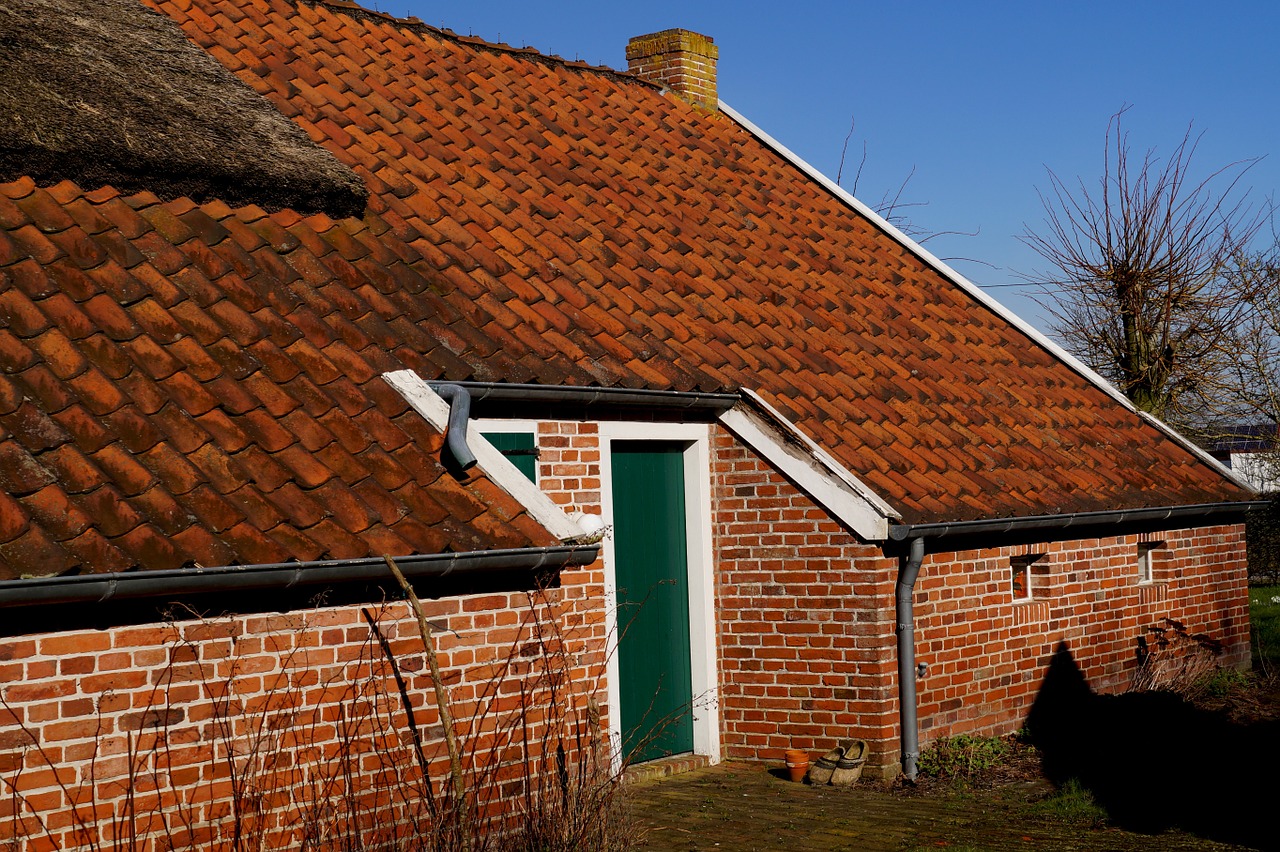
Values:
[(1246, 438), (107, 92)]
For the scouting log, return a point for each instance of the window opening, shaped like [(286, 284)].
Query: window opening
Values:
[(1146, 560), (1023, 574), (520, 447)]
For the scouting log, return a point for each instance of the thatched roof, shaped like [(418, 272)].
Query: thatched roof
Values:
[(109, 92)]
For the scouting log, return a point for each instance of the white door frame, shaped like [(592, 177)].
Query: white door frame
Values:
[(702, 620)]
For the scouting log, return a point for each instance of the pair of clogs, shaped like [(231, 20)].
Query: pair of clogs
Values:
[(841, 766)]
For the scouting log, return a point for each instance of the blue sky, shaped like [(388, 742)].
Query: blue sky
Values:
[(977, 98)]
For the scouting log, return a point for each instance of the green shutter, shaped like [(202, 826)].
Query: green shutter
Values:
[(520, 447), (653, 599)]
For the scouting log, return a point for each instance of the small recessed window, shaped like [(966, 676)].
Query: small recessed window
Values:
[(1026, 576), (520, 447), (1148, 556)]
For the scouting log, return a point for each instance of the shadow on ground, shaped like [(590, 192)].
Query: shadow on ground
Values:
[(1155, 762)]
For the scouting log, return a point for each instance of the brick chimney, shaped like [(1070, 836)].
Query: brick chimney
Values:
[(681, 60)]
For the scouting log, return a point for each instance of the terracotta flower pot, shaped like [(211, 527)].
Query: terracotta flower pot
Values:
[(797, 764)]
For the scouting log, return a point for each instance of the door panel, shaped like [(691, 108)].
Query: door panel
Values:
[(651, 555)]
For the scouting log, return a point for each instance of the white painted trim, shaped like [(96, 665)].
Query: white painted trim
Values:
[(974, 290), (506, 427), (762, 428), (701, 559), (497, 467)]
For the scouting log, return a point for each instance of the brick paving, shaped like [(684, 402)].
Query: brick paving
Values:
[(739, 807)]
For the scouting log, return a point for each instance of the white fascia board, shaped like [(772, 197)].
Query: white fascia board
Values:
[(497, 467), (973, 289), (776, 439)]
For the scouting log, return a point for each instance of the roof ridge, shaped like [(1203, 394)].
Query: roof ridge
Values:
[(416, 24)]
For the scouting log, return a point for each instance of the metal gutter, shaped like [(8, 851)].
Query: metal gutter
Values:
[(90, 588), (712, 403), (902, 532)]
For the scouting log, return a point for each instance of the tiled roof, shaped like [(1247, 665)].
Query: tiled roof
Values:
[(173, 392), (188, 382), (594, 230)]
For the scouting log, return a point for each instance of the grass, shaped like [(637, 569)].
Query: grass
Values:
[(1264, 613), (1070, 804)]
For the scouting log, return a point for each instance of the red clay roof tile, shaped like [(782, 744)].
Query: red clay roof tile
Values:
[(34, 428), (91, 548), (33, 549), (13, 518), (162, 510), (113, 514), (538, 221), (45, 388), (20, 473)]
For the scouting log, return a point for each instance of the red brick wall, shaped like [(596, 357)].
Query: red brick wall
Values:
[(293, 697), (806, 622), (805, 635), (987, 652), (806, 619)]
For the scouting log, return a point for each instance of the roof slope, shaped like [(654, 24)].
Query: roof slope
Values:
[(593, 230), (173, 392), (187, 382)]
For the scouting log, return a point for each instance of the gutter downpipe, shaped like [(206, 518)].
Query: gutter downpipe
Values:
[(908, 571), (455, 437)]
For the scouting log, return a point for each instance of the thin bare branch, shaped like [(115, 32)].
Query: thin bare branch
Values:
[(1140, 283)]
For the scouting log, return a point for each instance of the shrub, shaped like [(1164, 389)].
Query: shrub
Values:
[(962, 756), (1071, 804), (1171, 659)]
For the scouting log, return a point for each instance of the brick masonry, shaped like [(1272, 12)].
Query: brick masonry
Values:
[(683, 60), (805, 635), (806, 619), (291, 699)]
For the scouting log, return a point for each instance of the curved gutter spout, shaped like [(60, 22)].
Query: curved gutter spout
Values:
[(455, 437), (908, 571)]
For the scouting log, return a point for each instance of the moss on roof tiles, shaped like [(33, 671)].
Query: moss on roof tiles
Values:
[(108, 92)]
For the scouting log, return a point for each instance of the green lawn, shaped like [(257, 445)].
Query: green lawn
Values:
[(1264, 612)]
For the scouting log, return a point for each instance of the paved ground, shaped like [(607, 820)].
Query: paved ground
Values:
[(744, 808)]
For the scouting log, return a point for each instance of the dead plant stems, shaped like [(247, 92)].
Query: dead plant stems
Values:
[(442, 704)]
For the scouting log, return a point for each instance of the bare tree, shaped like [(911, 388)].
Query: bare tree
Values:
[(1248, 414), (893, 208), (1139, 287)]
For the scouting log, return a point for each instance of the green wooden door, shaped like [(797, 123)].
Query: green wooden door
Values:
[(520, 447), (652, 574)]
